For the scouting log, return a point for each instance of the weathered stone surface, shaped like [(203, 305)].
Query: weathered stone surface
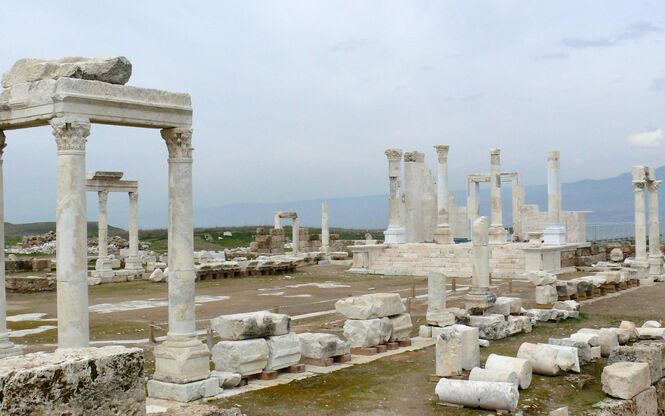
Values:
[(630, 327), (367, 332), (440, 318), (226, 379), (616, 254), (546, 295), (375, 305), (520, 366), (478, 394), (655, 343), (625, 380), (623, 336), (567, 305), (503, 376), (244, 357), (186, 392), (251, 325), (113, 70), (651, 333), (607, 340), (584, 351), (283, 351), (400, 327), (82, 381), (504, 305), (518, 324), (549, 360), (651, 324), (491, 327), (457, 349), (157, 275), (320, 346), (425, 331), (650, 354), (540, 278)]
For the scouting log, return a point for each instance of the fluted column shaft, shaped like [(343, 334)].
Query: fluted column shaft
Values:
[(495, 188), (395, 233), (443, 233)]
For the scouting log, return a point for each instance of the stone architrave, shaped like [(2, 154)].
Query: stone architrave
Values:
[(555, 233), (182, 358), (7, 348), (443, 233), (325, 228), (480, 297), (71, 227), (497, 232), (395, 234)]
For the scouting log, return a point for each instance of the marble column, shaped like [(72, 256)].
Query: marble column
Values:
[(71, 227), (472, 204), (480, 297), (103, 267), (277, 221), (443, 233), (182, 358), (413, 196), (655, 254), (555, 233), (518, 202), (325, 229), (640, 221), (295, 227), (133, 262), (395, 233), (498, 234), (7, 348)]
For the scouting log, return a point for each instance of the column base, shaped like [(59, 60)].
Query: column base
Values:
[(443, 235), (554, 235), (395, 235), (133, 263), (184, 393), (104, 264), (9, 349), (655, 266), (181, 360), (497, 235), (479, 300)]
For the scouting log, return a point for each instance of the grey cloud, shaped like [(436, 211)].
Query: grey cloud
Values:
[(634, 31)]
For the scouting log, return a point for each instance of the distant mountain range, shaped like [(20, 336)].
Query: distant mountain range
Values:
[(609, 200)]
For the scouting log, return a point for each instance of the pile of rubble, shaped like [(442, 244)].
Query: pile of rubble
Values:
[(29, 241)]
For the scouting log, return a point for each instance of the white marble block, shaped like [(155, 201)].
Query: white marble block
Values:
[(400, 327), (540, 278), (226, 380), (320, 346), (250, 325), (651, 333), (624, 380), (520, 366), (375, 305), (643, 353), (367, 332), (631, 328), (546, 295), (651, 324), (283, 351), (244, 357), (503, 376), (549, 360), (478, 394), (457, 349), (607, 340), (505, 305)]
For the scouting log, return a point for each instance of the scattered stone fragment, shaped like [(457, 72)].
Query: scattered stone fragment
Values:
[(367, 332), (625, 380), (251, 325), (520, 366), (651, 324), (478, 394), (226, 379), (375, 305), (504, 376)]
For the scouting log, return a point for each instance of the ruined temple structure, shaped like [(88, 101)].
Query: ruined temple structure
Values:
[(428, 231)]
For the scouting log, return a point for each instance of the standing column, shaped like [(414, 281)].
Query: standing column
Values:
[(7, 348), (640, 221), (555, 233), (497, 233), (133, 262), (480, 297), (325, 230), (518, 201), (655, 255), (71, 227), (103, 266), (295, 228), (277, 221), (472, 204), (182, 358), (443, 234), (395, 233)]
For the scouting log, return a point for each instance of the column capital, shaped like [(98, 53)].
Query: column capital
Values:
[(553, 158), (442, 152), (414, 156), (654, 185), (3, 143), (394, 154), (133, 196), (70, 133), (639, 185), (178, 142), (495, 152), (103, 195)]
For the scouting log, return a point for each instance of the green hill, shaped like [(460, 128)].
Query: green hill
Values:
[(19, 230)]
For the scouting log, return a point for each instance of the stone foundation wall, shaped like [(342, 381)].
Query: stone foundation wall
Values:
[(74, 382)]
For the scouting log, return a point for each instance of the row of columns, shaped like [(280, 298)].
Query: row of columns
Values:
[(644, 180), (132, 262)]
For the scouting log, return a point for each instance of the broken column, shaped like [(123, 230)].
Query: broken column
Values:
[(437, 315), (71, 226), (480, 297), (182, 359), (640, 223), (443, 233), (395, 233), (325, 230), (478, 394), (133, 262), (520, 366), (555, 233), (655, 255), (498, 234), (7, 348)]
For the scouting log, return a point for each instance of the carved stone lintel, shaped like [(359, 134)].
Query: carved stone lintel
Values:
[(70, 133), (442, 152), (179, 142), (3, 143), (394, 154)]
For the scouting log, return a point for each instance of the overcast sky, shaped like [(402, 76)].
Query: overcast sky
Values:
[(298, 99)]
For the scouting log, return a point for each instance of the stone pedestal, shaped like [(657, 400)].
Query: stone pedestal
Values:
[(554, 235)]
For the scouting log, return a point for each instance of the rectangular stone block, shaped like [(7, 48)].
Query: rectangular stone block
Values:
[(283, 351), (625, 380), (80, 381), (244, 357), (184, 393), (401, 327), (650, 354), (375, 305), (321, 346), (457, 349), (364, 333), (251, 325)]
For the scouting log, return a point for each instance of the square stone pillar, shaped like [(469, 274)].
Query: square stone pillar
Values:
[(7, 348), (182, 359), (655, 255), (497, 233), (133, 262), (443, 233), (395, 234), (71, 228)]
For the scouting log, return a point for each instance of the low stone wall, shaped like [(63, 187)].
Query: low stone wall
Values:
[(24, 284), (74, 382)]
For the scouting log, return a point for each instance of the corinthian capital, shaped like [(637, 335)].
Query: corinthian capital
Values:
[(70, 132), (442, 152), (133, 197), (394, 154), (3, 143), (179, 142)]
